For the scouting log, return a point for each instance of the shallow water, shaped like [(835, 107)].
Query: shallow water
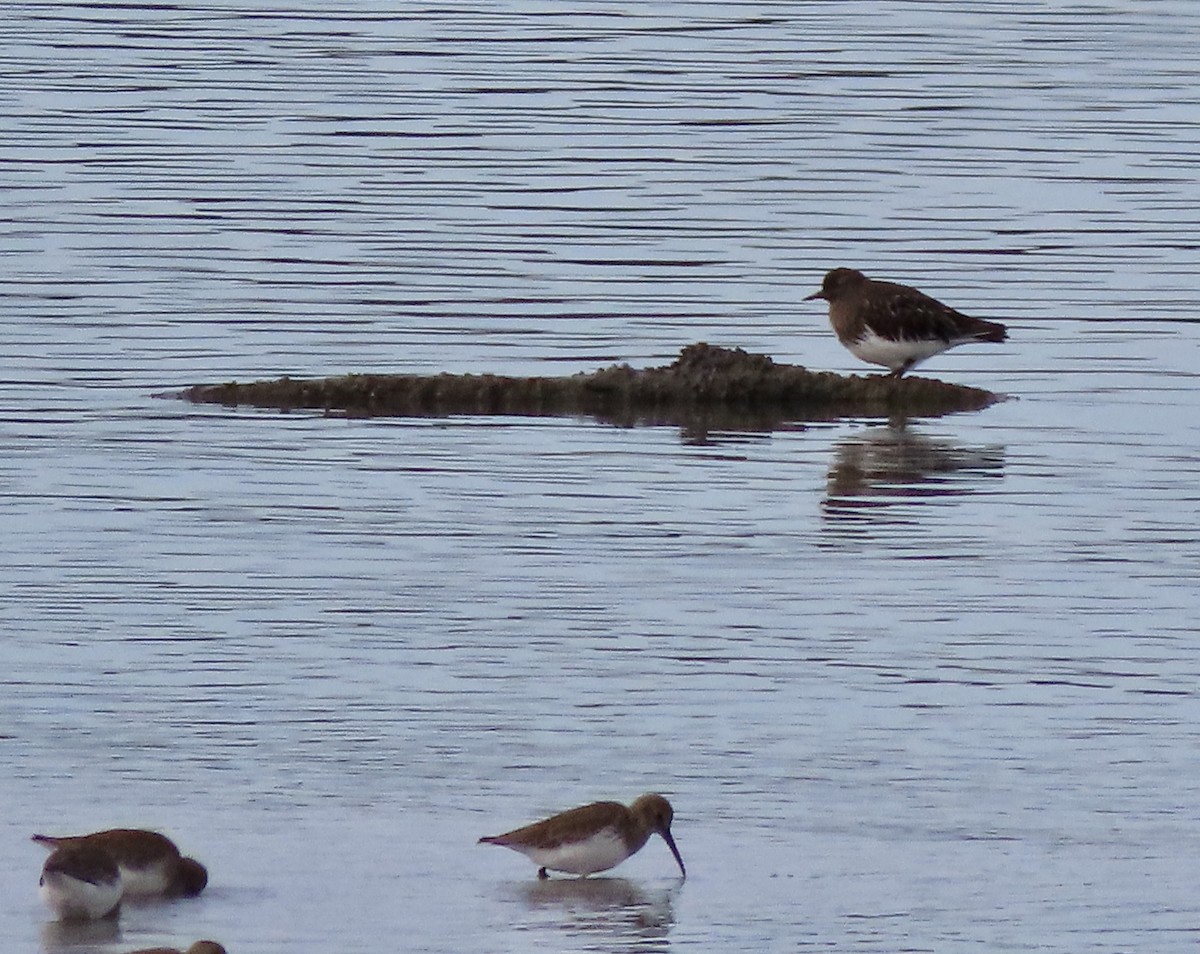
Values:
[(909, 687)]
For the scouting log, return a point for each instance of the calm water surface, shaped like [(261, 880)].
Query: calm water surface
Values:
[(911, 686)]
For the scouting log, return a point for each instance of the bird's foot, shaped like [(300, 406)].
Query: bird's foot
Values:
[(543, 873)]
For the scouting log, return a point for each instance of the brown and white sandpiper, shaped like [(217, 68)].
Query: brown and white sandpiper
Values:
[(894, 325), (81, 883), (200, 947), (593, 837), (150, 863)]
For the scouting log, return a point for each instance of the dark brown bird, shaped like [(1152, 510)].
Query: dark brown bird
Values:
[(150, 863), (593, 837), (200, 947), (895, 325), (81, 883)]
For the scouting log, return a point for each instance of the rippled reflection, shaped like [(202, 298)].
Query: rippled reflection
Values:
[(79, 937), (615, 914), (877, 469)]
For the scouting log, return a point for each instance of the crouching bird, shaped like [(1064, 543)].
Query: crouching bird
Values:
[(81, 883), (150, 864)]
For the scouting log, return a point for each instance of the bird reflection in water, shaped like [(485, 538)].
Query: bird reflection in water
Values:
[(79, 935), (625, 914), (879, 469)]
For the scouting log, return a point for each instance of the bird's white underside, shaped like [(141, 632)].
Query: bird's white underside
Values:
[(895, 354), (601, 851), (144, 882), (72, 899)]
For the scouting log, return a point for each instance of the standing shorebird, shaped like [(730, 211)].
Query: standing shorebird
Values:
[(81, 883), (895, 325), (150, 863), (593, 837)]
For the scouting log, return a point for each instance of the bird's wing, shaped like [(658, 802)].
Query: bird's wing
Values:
[(565, 826), (906, 313)]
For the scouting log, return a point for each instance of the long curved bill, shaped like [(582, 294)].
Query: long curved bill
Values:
[(666, 833)]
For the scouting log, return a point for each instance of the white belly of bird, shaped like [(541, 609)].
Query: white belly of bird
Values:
[(74, 900), (146, 882), (601, 851), (895, 354)]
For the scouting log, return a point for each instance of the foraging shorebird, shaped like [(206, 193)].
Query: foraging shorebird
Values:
[(150, 863), (81, 883), (894, 325), (593, 837)]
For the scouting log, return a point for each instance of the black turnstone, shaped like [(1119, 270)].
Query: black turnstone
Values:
[(895, 325)]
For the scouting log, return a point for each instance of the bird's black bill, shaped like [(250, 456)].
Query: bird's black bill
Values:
[(816, 294), (666, 833)]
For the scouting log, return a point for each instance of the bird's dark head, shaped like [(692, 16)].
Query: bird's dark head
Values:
[(190, 878), (656, 814), (655, 811), (837, 283)]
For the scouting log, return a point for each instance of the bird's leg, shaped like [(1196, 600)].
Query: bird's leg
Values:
[(543, 874)]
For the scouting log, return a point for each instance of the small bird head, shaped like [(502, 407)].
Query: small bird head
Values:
[(656, 813), (191, 877), (837, 283)]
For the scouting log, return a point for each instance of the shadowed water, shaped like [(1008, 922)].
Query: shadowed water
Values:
[(910, 685)]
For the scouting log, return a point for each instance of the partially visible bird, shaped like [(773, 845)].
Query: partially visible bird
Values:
[(594, 837), (894, 325), (200, 947), (150, 863), (81, 883)]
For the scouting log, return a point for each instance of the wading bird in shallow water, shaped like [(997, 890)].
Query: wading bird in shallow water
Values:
[(593, 837), (81, 883), (894, 325), (150, 863)]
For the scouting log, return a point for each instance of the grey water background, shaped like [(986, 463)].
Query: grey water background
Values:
[(911, 688)]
